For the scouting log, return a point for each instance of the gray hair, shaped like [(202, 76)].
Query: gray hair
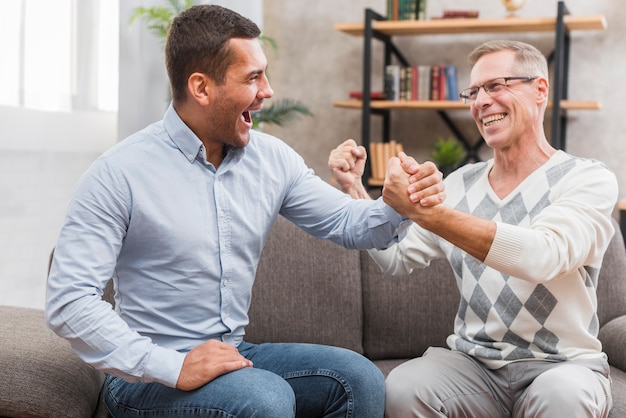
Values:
[(528, 59)]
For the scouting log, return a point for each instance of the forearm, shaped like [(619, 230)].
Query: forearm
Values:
[(470, 233), (357, 191)]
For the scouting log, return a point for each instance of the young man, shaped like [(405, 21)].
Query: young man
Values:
[(177, 214), (525, 233)]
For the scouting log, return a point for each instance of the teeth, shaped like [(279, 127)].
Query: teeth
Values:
[(490, 120)]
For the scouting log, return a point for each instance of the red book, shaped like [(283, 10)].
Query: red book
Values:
[(374, 95), (443, 94)]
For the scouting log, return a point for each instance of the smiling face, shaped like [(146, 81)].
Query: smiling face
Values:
[(512, 113), (243, 91)]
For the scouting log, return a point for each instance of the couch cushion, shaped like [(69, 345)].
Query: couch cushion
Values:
[(306, 290), (404, 315), (39, 374), (618, 390), (612, 280)]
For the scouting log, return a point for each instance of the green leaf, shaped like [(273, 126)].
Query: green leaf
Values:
[(280, 113), (447, 152)]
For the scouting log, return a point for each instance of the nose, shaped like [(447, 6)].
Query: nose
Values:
[(482, 97), (266, 91)]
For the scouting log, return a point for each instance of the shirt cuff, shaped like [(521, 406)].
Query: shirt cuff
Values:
[(164, 366), (505, 248)]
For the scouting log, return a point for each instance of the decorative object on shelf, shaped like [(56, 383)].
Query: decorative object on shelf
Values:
[(447, 153), (159, 19), (513, 6)]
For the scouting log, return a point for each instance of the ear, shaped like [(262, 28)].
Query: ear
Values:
[(543, 89), (200, 87)]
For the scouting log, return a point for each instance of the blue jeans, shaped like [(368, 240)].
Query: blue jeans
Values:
[(287, 380)]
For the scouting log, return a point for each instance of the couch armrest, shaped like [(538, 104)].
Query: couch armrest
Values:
[(41, 376), (613, 337)]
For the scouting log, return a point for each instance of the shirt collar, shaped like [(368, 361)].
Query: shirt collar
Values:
[(180, 134), (189, 144)]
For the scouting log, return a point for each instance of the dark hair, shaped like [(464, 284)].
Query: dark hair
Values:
[(197, 41)]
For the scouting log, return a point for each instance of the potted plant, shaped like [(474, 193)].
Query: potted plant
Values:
[(159, 19), (447, 153)]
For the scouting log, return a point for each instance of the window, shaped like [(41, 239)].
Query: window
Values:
[(60, 55)]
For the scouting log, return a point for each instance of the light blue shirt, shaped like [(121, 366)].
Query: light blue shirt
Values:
[(182, 241)]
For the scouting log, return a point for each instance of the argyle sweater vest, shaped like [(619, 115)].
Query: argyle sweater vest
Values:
[(502, 317)]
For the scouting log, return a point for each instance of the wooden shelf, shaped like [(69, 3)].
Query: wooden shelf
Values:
[(448, 105), (455, 26), (384, 31)]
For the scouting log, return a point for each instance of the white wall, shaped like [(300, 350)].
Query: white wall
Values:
[(37, 130)]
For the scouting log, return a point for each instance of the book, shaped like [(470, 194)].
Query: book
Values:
[(418, 82), (404, 9), (423, 90), (374, 95), (451, 14), (451, 82), (434, 82), (392, 82), (379, 155), (458, 14), (414, 83), (443, 83), (421, 10)]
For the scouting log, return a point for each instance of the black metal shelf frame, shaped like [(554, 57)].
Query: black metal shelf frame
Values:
[(559, 57)]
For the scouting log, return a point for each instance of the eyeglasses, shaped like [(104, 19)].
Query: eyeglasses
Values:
[(491, 87)]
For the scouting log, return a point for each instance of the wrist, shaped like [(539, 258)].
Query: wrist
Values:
[(358, 191)]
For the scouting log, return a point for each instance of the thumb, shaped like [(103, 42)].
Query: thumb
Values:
[(408, 163)]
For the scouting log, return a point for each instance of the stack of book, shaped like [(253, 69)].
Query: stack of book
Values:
[(421, 82), (406, 9), (458, 14), (380, 153)]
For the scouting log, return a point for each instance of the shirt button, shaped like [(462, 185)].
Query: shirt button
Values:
[(225, 283)]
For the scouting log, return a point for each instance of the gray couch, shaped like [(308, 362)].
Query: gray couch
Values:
[(307, 290)]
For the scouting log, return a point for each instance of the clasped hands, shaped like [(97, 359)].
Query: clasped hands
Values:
[(410, 188)]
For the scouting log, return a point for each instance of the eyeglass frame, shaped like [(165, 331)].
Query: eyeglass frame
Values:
[(467, 98)]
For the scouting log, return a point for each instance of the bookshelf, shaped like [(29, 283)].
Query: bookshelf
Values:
[(376, 27)]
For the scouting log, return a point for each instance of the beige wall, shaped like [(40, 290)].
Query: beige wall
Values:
[(318, 65)]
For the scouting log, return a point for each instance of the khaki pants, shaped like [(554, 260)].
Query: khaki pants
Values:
[(444, 383)]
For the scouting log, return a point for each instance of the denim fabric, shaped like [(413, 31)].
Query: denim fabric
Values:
[(287, 380)]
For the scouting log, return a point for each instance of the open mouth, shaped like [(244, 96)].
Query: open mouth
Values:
[(246, 116), (493, 119)]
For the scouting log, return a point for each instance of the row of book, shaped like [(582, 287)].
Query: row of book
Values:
[(380, 153), (420, 82), (406, 9)]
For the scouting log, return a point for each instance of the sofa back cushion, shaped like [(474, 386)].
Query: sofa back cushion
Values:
[(404, 315), (306, 290), (612, 280)]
